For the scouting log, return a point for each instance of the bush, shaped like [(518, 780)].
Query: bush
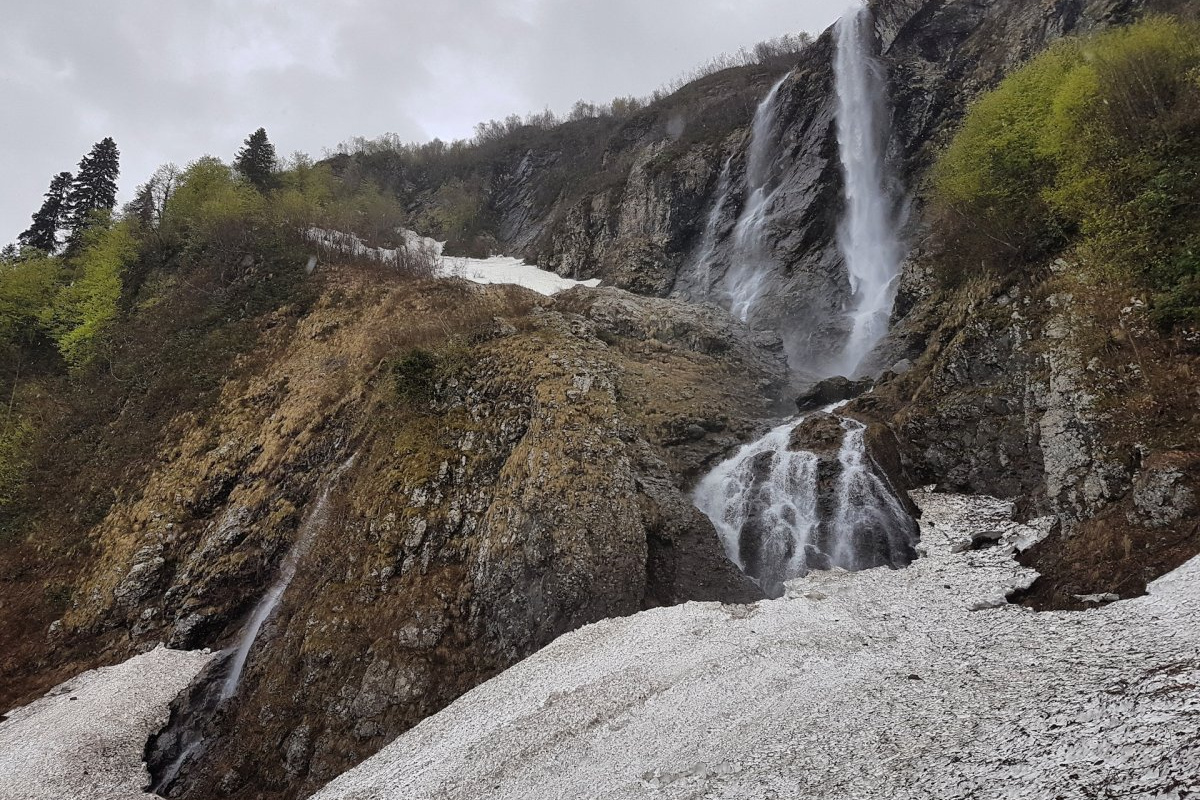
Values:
[(1094, 144), (414, 376)]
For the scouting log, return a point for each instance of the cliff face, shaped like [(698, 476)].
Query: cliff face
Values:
[(528, 477), (522, 466)]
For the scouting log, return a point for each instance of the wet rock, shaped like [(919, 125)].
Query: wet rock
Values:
[(831, 390), (1161, 494)]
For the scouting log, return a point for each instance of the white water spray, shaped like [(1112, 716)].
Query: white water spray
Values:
[(765, 500), (317, 519), (700, 271), (867, 235), (751, 266), (781, 511)]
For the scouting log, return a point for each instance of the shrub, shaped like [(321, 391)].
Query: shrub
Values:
[(414, 376), (1094, 144)]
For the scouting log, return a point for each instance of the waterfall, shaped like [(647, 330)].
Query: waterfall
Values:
[(781, 510), (313, 523), (867, 235), (763, 503), (870, 527), (700, 270), (751, 265), (195, 718)]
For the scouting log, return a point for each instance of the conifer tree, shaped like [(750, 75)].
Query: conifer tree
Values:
[(95, 186), (256, 160), (43, 232)]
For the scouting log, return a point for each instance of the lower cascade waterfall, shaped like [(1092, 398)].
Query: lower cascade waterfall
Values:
[(780, 509)]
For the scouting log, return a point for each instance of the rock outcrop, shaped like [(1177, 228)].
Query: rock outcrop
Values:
[(520, 472)]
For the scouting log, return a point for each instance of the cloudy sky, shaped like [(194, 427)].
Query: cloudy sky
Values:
[(171, 81)]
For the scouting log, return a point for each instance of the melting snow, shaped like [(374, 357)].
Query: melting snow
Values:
[(497, 269), (877, 684), (86, 737)]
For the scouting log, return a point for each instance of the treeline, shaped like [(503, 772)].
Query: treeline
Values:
[(784, 47), (1093, 148), (100, 303)]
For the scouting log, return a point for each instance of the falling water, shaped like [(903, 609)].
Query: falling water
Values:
[(316, 520), (195, 716), (751, 265), (700, 270), (867, 235), (781, 511), (763, 503), (870, 527)]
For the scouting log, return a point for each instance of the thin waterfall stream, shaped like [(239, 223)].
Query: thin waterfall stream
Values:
[(185, 737), (779, 508), (751, 266)]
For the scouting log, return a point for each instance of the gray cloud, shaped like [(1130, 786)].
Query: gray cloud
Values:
[(174, 81)]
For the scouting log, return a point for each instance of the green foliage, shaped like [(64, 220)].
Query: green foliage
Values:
[(42, 232), (256, 161), (1094, 144), (84, 307), (28, 287), (210, 204), (15, 436), (94, 188)]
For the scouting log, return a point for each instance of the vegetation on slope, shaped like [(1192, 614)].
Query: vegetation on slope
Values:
[(1093, 145)]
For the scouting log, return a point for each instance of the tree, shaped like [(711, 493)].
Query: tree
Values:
[(94, 188), (43, 232), (150, 202), (256, 160)]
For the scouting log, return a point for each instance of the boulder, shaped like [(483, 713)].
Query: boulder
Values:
[(831, 390)]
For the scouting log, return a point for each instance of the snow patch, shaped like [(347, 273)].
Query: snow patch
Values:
[(876, 684), (494, 270), (86, 737)]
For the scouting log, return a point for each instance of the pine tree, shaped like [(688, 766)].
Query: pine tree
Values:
[(43, 232), (256, 160), (95, 186)]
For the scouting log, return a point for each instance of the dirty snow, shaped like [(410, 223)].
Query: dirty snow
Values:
[(914, 683), (86, 737), (497, 269)]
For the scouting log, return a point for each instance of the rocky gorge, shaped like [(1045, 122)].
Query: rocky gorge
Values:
[(518, 467)]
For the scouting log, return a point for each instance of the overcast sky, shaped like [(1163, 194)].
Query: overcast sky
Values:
[(172, 81)]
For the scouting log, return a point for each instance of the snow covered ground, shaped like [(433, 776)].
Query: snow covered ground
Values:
[(914, 683), (497, 269), (85, 738)]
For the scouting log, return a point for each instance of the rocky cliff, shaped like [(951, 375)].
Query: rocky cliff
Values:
[(523, 466)]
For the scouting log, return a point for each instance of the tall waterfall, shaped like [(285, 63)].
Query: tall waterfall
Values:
[(867, 234), (750, 270), (780, 510)]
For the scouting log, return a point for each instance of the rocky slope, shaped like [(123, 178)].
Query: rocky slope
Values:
[(522, 467), (909, 683), (526, 476)]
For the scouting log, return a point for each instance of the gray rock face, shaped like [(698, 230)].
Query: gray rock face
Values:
[(831, 390), (989, 699)]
